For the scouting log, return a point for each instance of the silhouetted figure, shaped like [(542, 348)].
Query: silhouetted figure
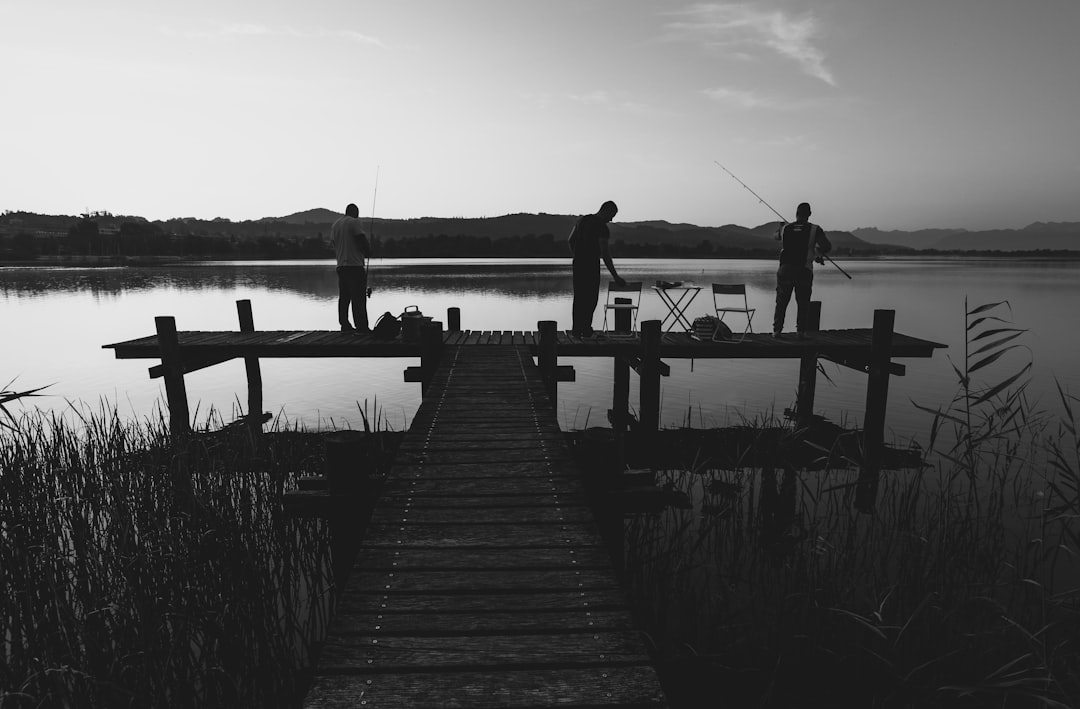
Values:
[(589, 244), (803, 243), (352, 250)]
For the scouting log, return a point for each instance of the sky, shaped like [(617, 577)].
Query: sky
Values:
[(893, 114)]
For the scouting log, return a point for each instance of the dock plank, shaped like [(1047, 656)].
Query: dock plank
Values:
[(518, 689)]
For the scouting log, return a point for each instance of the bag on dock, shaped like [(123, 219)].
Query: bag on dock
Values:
[(709, 327), (387, 327)]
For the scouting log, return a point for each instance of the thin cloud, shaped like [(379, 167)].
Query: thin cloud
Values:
[(741, 98), (611, 100), (740, 25), (255, 30)]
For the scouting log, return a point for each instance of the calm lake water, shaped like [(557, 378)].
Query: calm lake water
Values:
[(55, 321)]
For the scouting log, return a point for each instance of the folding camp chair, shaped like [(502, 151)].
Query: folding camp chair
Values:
[(732, 294), (630, 291)]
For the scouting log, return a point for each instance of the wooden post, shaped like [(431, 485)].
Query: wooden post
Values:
[(877, 392), (175, 390), (620, 397), (347, 462), (453, 319), (431, 341), (254, 372), (804, 400), (649, 374), (547, 358)]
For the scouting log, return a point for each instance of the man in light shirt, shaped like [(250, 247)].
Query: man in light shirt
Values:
[(803, 244), (352, 251)]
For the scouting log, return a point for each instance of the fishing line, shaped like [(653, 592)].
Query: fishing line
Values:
[(782, 218), (371, 230)]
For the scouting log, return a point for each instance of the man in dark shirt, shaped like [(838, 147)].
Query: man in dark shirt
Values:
[(803, 243), (589, 244)]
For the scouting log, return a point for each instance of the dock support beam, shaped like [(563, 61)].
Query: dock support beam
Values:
[(254, 372), (453, 319), (431, 343), (649, 409), (173, 366), (877, 393), (804, 400), (620, 397), (547, 358)]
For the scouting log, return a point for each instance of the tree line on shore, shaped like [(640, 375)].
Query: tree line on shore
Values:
[(102, 237), (87, 238)]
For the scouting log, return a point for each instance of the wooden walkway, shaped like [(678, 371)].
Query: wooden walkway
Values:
[(222, 345), (482, 580)]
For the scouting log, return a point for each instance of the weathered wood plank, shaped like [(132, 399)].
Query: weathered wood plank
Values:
[(495, 457), (483, 581), (444, 445), (551, 514), (431, 604), (594, 557), (402, 500), (513, 470), (531, 621), (630, 686), (361, 653), (451, 536), (476, 486)]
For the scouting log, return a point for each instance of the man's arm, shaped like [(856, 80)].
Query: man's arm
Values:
[(362, 243), (823, 244), (606, 255)]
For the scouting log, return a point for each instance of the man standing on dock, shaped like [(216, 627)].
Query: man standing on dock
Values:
[(589, 244), (803, 243), (352, 250)]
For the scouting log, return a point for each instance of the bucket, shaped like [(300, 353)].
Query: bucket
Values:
[(411, 319)]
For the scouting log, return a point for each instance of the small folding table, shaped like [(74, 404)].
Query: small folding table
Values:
[(677, 298)]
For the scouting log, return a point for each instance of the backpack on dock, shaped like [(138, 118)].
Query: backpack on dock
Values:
[(387, 327), (710, 328)]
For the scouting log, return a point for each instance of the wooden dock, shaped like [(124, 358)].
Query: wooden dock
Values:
[(482, 580)]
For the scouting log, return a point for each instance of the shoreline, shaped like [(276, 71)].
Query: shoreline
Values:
[(137, 261)]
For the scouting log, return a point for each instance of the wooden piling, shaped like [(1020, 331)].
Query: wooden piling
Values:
[(431, 342), (254, 371), (453, 319), (173, 366), (649, 375), (877, 392), (547, 357), (804, 401), (620, 397)]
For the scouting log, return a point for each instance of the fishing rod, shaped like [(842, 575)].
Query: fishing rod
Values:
[(371, 229), (760, 199)]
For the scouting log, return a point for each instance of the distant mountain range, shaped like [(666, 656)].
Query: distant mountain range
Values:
[(1053, 236), (315, 223)]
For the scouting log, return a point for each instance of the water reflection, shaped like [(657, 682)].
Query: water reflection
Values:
[(64, 315)]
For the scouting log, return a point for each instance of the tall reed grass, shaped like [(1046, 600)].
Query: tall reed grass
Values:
[(139, 571), (962, 589)]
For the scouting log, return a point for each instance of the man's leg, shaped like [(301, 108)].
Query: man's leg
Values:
[(803, 285), (359, 300), (784, 286), (343, 299), (586, 296)]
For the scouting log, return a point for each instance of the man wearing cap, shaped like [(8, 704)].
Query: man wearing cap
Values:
[(803, 243), (589, 244), (351, 249)]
